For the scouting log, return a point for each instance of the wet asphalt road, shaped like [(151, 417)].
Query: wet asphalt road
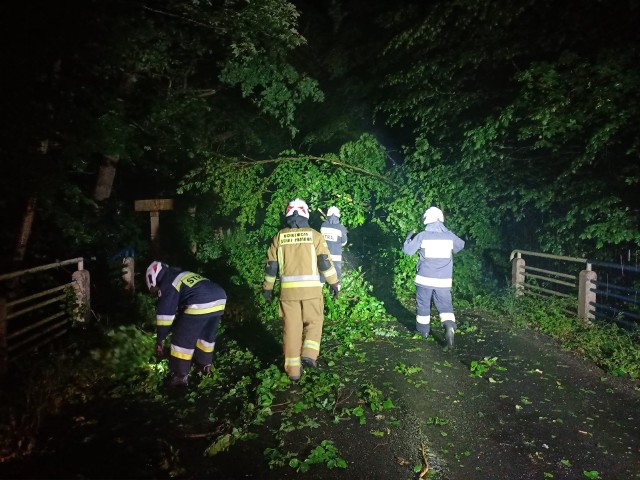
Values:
[(537, 412)]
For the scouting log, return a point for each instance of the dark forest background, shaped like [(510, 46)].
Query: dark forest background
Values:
[(519, 120)]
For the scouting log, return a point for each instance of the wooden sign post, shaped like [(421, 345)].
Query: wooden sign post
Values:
[(154, 206)]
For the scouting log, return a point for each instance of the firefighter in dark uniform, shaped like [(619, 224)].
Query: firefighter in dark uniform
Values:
[(434, 272), (335, 235), (299, 254), (190, 307)]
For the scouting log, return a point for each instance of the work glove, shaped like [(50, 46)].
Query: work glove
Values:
[(410, 235), (159, 351), (334, 288), (267, 294)]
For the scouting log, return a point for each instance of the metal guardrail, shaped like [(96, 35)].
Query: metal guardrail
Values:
[(34, 316), (603, 290)]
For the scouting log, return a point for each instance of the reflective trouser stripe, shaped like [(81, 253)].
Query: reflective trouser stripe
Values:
[(447, 316), (301, 319), (424, 319), (291, 362), (193, 340), (442, 300), (311, 345), (205, 346), (183, 353)]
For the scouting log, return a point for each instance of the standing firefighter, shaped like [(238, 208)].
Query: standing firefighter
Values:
[(335, 235), (196, 304), (434, 272), (300, 254)]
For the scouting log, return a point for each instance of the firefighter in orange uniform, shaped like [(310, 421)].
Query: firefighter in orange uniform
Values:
[(299, 254)]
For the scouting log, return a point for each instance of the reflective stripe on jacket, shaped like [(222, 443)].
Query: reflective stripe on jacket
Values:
[(436, 245), (188, 292), (335, 235)]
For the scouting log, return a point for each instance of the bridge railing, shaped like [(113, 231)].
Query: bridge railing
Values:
[(617, 289), (601, 290), (34, 310)]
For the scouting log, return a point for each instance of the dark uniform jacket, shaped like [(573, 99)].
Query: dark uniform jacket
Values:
[(335, 235), (185, 292)]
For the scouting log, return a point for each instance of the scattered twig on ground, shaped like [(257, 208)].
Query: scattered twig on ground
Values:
[(425, 465), (341, 398)]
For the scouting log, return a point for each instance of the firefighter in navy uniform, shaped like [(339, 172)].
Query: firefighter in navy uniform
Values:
[(434, 272), (335, 235), (299, 254), (190, 307)]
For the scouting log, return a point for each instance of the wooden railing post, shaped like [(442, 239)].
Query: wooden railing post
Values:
[(128, 274), (586, 295), (81, 286), (4, 349), (153, 206), (517, 275)]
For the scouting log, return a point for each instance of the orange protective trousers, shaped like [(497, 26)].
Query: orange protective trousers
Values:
[(302, 331)]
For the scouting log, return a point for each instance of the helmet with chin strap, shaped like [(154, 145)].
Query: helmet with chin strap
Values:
[(299, 206), (432, 214), (153, 271), (333, 211)]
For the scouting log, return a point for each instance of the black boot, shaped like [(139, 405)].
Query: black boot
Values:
[(309, 362), (179, 381)]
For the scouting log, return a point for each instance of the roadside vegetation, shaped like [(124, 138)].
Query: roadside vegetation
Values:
[(255, 403)]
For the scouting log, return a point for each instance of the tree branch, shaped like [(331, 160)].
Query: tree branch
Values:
[(319, 159), (180, 17)]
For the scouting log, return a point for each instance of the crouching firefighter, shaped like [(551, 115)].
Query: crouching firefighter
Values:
[(190, 307), (299, 253)]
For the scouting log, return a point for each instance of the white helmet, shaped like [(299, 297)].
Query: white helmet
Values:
[(299, 206), (333, 211), (152, 274), (432, 214)]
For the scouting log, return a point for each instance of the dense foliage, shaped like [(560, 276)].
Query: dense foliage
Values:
[(524, 118), (518, 120)]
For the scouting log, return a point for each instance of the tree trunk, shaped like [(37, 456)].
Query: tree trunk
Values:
[(25, 230), (106, 174)]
